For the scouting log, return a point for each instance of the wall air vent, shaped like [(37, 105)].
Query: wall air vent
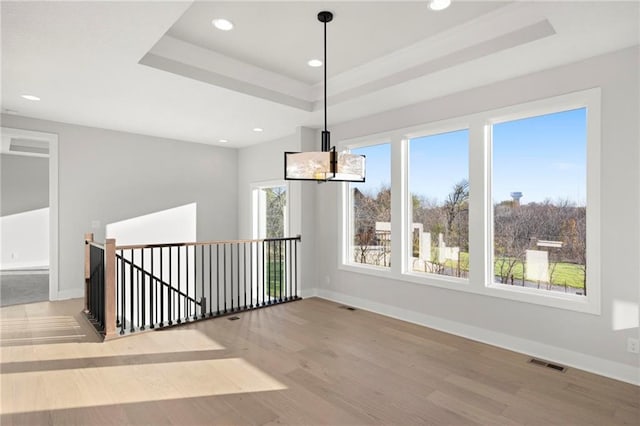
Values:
[(348, 308), (28, 146)]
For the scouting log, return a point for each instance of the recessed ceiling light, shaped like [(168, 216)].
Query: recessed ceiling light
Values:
[(439, 4), (257, 129), (31, 97), (222, 24), (315, 63), (223, 141)]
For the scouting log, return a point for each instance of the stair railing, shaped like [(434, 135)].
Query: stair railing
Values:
[(138, 287)]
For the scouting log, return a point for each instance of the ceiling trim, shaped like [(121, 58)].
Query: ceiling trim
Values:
[(506, 41)]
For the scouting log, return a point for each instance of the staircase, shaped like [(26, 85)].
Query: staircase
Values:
[(141, 287)]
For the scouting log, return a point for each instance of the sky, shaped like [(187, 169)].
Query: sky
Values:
[(543, 157)]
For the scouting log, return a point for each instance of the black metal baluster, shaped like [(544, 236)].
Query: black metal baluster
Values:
[(122, 292), (265, 270), (251, 245), (295, 271), (195, 283), (152, 303), (244, 272), (231, 274), (144, 299), (161, 287), (290, 261), (287, 274), (117, 292), (238, 274), (280, 269), (271, 273), (169, 288), (186, 271), (218, 278), (179, 321), (203, 308), (139, 288), (224, 282), (132, 329), (210, 281)]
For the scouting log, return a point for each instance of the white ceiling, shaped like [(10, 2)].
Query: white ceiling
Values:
[(160, 68)]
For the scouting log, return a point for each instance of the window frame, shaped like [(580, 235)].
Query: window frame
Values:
[(590, 100), (346, 220), (480, 279), (439, 128), (256, 187)]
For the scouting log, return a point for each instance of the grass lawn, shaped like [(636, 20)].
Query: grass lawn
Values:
[(273, 272), (568, 274)]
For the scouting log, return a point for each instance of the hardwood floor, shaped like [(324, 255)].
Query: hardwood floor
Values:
[(307, 362)]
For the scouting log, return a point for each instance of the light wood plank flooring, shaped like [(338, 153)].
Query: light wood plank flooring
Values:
[(308, 362)]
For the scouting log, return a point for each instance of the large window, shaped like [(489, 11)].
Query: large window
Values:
[(502, 203), (439, 191), (539, 201), (370, 209)]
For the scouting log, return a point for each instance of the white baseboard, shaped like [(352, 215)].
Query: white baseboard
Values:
[(70, 294), (600, 366)]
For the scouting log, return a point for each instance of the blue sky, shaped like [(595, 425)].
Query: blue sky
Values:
[(543, 157)]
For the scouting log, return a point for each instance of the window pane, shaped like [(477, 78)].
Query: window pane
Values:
[(276, 207), (539, 198), (438, 184), (370, 233)]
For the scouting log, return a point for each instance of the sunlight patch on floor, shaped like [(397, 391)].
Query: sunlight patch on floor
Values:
[(87, 387), (156, 342)]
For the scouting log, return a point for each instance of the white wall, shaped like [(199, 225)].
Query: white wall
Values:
[(592, 342), (24, 183), (24, 240), (265, 163), (108, 176)]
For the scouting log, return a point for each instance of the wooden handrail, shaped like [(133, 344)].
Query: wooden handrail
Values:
[(93, 243), (205, 243)]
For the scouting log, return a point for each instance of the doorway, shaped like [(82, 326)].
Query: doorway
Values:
[(28, 217), (271, 221), (270, 210)]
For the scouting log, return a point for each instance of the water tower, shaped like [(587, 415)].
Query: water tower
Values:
[(516, 198)]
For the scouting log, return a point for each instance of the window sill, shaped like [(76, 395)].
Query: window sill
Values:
[(585, 304)]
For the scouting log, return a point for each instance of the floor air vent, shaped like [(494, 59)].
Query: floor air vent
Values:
[(560, 368), (233, 318), (348, 308)]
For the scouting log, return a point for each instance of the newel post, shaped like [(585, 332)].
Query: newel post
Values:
[(110, 288), (88, 238)]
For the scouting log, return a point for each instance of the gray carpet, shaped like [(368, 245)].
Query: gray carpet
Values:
[(16, 289)]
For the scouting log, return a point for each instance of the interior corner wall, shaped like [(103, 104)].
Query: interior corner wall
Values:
[(591, 342), (265, 163), (109, 176)]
